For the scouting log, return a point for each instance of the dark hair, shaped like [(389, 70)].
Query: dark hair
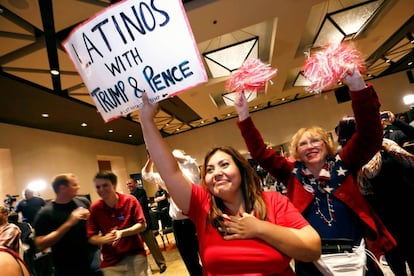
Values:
[(107, 175), (345, 129), (250, 186), (13, 217), (61, 179)]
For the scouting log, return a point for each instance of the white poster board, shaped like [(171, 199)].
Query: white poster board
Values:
[(132, 47)]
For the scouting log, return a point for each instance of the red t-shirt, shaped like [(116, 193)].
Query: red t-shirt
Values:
[(242, 257), (104, 219)]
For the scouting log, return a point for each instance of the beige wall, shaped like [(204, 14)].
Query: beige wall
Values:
[(27, 154), (39, 154)]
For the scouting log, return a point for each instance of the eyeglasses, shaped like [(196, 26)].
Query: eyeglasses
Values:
[(314, 142)]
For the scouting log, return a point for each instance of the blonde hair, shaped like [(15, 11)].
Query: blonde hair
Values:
[(314, 132), (4, 209)]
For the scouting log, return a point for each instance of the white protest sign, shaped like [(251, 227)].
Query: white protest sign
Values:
[(132, 47)]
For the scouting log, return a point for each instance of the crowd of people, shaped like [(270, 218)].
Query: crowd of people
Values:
[(337, 214)]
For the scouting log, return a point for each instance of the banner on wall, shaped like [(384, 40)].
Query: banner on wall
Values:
[(132, 47)]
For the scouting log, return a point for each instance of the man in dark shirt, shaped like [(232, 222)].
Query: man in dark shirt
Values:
[(29, 206), (61, 225), (136, 188)]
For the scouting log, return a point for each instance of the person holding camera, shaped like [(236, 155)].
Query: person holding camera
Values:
[(387, 181), (9, 201), (397, 130)]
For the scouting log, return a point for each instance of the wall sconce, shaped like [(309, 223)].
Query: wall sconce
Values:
[(408, 99), (347, 23), (221, 62)]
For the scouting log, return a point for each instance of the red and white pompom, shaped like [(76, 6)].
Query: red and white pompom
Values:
[(324, 69), (251, 76)]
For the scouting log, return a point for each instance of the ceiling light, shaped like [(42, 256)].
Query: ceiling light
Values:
[(45, 115), (300, 80), (221, 62), (410, 38), (346, 23), (387, 60), (84, 124), (54, 72), (230, 98)]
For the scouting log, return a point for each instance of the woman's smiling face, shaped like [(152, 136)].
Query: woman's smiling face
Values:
[(311, 149), (222, 175)]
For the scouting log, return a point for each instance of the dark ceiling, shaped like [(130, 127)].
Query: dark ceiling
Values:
[(31, 33)]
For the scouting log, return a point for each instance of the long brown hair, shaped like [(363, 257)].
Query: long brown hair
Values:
[(250, 186)]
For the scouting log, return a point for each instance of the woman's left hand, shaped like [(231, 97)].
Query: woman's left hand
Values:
[(148, 110), (242, 106)]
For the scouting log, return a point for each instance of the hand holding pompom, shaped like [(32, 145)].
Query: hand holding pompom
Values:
[(251, 76), (326, 68)]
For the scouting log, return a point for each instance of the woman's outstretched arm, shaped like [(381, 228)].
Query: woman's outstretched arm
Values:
[(177, 184)]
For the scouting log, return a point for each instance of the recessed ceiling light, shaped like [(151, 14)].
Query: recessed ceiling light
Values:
[(130, 135), (111, 130), (84, 124), (54, 72), (45, 115)]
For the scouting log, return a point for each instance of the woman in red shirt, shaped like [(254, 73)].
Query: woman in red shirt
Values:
[(241, 229)]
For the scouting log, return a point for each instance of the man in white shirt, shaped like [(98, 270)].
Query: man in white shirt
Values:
[(184, 229)]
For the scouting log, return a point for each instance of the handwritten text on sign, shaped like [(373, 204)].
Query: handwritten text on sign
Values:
[(134, 47)]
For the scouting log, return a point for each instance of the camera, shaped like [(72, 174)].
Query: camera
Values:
[(9, 200), (345, 129), (384, 116)]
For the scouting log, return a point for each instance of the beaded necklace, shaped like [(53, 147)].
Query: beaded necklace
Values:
[(330, 209), (320, 188)]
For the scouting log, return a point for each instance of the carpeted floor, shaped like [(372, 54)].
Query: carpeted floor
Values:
[(175, 265)]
